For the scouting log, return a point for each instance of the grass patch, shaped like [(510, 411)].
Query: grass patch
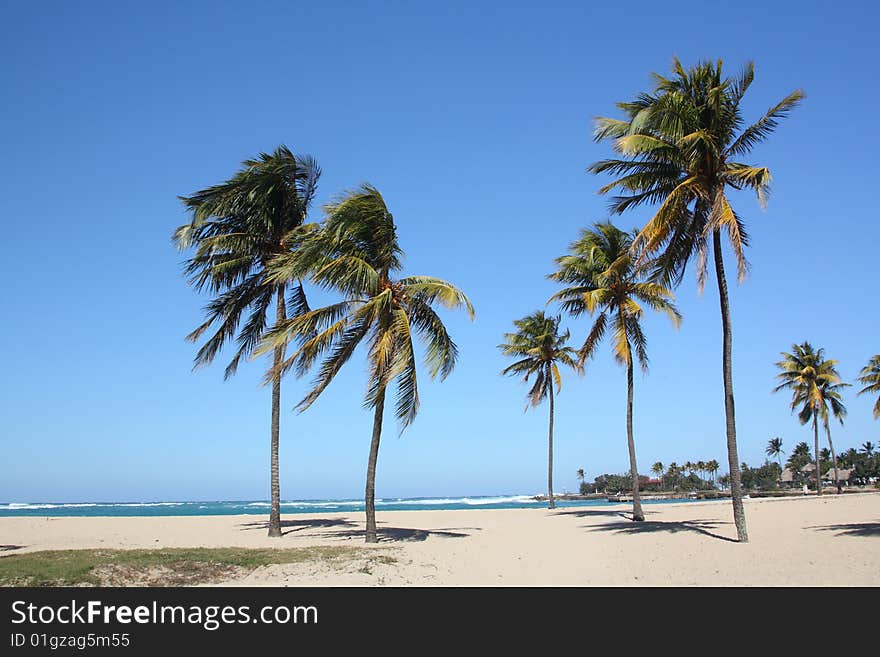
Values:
[(165, 567)]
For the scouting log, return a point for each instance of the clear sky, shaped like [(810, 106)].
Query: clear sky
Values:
[(474, 121)]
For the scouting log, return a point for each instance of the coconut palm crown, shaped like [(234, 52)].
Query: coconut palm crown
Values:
[(870, 378)]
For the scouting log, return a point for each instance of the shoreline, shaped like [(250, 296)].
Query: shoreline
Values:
[(680, 544)]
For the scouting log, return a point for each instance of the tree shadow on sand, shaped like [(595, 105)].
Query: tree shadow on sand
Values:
[(346, 529), (10, 548), (592, 513), (852, 529), (300, 525), (402, 534), (650, 526)]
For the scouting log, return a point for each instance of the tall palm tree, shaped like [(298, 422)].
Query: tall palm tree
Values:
[(868, 448), (357, 254), (831, 396), (870, 377), (237, 228), (774, 449), (539, 347), (581, 475), (681, 148), (604, 280), (813, 381)]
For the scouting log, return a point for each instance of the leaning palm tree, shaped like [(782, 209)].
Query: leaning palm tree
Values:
[(813, 381), (604, 280), (774, 449), (870, 377), (237, 228), (357, 254), (681, 146), (540, 347)]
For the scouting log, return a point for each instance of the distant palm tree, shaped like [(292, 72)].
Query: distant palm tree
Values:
[(870, 377), (713, 466), (357, 254), (682, 147), (603, 279), (540, 347), (774, 449), (813, 381), (868, 448), (237, 228), (701, 468), (580, 475), (657, 469)]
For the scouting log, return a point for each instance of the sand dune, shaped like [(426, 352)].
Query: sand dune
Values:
[(832, 540)]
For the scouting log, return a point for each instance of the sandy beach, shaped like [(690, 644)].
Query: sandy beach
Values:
[(831, 541)]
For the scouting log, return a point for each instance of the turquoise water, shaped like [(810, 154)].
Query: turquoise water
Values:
[(225, 508)]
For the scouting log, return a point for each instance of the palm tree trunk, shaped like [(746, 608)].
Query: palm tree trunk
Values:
[(833, 459), (370, 495), (550, 453), (739, 514), (275, 485), (638, 516), (818, 461)]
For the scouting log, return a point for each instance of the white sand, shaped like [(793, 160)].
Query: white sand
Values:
[(832, 540)]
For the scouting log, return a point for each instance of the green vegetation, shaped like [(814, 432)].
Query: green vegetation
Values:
[(870, 378), (165, 567), (540, 347)]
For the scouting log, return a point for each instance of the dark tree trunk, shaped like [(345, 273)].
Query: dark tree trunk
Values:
[(550, 452), (739, 514), (833, 460), (818, 460), (370, 495), (638, 516), (275, 485)]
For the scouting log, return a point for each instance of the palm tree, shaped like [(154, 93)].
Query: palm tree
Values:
[(237, 228), (701, 468), (681, 147), (357, 254), (713, 466), (774, 449), (832, 398), (813, 381), (540, 347), (581, 475), (604, 279), (657, 469), (870, 377), (868, 448)]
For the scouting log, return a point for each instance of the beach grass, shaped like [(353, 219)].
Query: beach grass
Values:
[(165, 567)]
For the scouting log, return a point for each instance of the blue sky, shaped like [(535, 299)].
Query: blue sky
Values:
[(473, 119)]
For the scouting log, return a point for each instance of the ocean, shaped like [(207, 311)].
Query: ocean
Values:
[(227, 508)]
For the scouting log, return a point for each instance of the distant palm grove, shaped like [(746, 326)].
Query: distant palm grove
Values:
[(679, 148)]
